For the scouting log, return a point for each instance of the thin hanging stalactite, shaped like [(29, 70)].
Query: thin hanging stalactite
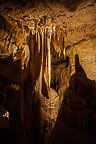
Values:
[(42, 36), (36, 31), (61, 41), (46, 58), (44, 84), (42, 56), (50, 59), (46, 70), (38, 37), (64, 50), (49, 62), (40, 78)]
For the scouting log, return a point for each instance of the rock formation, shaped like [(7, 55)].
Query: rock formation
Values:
[(38, 43), (76, 121)]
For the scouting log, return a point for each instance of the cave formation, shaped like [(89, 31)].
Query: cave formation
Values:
[(48, 72)]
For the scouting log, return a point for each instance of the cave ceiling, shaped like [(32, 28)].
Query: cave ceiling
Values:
[(77, 20)]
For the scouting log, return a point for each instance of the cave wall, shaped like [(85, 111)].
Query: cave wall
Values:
[(86, 51)]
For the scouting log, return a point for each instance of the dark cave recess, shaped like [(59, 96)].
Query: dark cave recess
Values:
[(70, 4)]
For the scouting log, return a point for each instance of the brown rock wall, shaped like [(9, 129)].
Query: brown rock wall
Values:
[(87, 54)]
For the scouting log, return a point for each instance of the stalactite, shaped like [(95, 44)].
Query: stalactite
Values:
[(64, 50), (46, 58), (45, 45), (43, 39), (36, 37), (59, 48), (46, 70), (42, 53), (32, 56), (40, 77), (36, 31), (49, 62), (38, 41), (42, 34), (61, 41), (54, 33), (31, 44), (56, 42), (50, 58), (44, 84)]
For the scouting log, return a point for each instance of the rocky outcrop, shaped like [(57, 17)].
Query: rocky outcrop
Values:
[(76, 113), (49, 113)]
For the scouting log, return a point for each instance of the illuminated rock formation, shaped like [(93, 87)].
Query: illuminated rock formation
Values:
[(38, 43)]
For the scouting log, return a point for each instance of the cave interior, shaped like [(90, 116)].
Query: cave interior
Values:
[(48, 71)]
